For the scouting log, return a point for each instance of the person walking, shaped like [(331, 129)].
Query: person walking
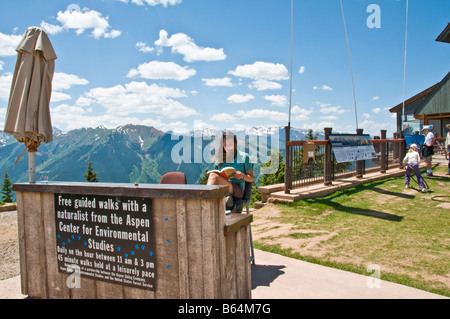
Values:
[(412, 160)]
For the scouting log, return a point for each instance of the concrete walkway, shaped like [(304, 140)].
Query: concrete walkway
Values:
[(278, 277)]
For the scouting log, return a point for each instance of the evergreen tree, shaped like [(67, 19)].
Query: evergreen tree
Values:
[(269, 179), (310, 136), (7, 196), (91, 176)]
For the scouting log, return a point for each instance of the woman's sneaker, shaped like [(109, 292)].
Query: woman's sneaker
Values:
[(424, 190), (229, 202)]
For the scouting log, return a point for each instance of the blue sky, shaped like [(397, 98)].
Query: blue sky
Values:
[(176, 64)]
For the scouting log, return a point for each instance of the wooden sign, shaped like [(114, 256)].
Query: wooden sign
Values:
[(108, 238)]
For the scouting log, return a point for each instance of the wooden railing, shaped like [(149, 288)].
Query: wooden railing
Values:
[(313, 162)]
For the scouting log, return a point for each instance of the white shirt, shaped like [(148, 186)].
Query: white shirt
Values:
[(411, 157), (429, 138)]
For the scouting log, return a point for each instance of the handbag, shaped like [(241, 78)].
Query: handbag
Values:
[(427, 151)]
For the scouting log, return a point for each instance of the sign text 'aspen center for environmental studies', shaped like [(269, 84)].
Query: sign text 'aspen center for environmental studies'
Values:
[(109, 238)]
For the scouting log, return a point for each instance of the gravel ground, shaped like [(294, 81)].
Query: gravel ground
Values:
[(9, 245)]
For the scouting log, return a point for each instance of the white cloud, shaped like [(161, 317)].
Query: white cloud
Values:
[(367, 116), (375, 98), (51, 28), (59, 96), (223, 117), (226, 81), (184, 45), (1, 65), (84, 101), (317, 126), (302, 69), (165, 3), (3, 111), (80, 21), (69, 117), (323, 87), (277, 100), (8, 44), (239, 98), (5, 85), (143, 47), (379, 110), (329, 117), (64, 81), (157, 70), (300, 114), (262, 85), (332, 109), (261, 71), (141, 98), (373, 128), (262, 114)]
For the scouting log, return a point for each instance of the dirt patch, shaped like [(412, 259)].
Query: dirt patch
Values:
[(267, 230), (9, 245)]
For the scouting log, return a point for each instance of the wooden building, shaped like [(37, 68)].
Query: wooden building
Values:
[(445, 35), (431, 106)]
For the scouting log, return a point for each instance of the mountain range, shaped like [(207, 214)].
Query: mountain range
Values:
[(129, 153)]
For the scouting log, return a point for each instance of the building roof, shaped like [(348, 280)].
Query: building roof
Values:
[(445, 35), (441, 105), (416, 99)]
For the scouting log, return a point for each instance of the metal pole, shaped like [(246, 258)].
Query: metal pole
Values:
[(292, 41), (404, 66)]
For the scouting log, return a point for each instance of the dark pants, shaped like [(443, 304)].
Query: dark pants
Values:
[(414, 167)]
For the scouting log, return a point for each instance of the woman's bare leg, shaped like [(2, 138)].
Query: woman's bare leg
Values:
[(216, 179)]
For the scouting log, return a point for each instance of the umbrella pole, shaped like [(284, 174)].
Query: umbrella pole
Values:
[(32, 149), (31, 168)]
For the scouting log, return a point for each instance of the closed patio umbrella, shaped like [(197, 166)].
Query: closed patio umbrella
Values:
[(28, 114)]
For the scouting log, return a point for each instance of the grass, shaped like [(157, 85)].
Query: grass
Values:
[(405, 232)]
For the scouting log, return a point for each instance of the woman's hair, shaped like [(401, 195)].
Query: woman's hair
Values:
[(221, 153)]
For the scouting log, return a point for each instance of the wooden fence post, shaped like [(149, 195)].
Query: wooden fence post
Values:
[(288, 163), (383, 153), (402, 150), (327, 167), (359, 164), (396, 146)]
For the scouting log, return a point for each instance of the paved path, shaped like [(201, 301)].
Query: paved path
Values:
[(278, 277)]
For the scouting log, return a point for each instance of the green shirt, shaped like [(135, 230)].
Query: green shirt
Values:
[(241, 163)]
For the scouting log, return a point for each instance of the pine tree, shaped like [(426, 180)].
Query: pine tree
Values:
[(311, 136), (91, 176), (269, 179), (7, 196)]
